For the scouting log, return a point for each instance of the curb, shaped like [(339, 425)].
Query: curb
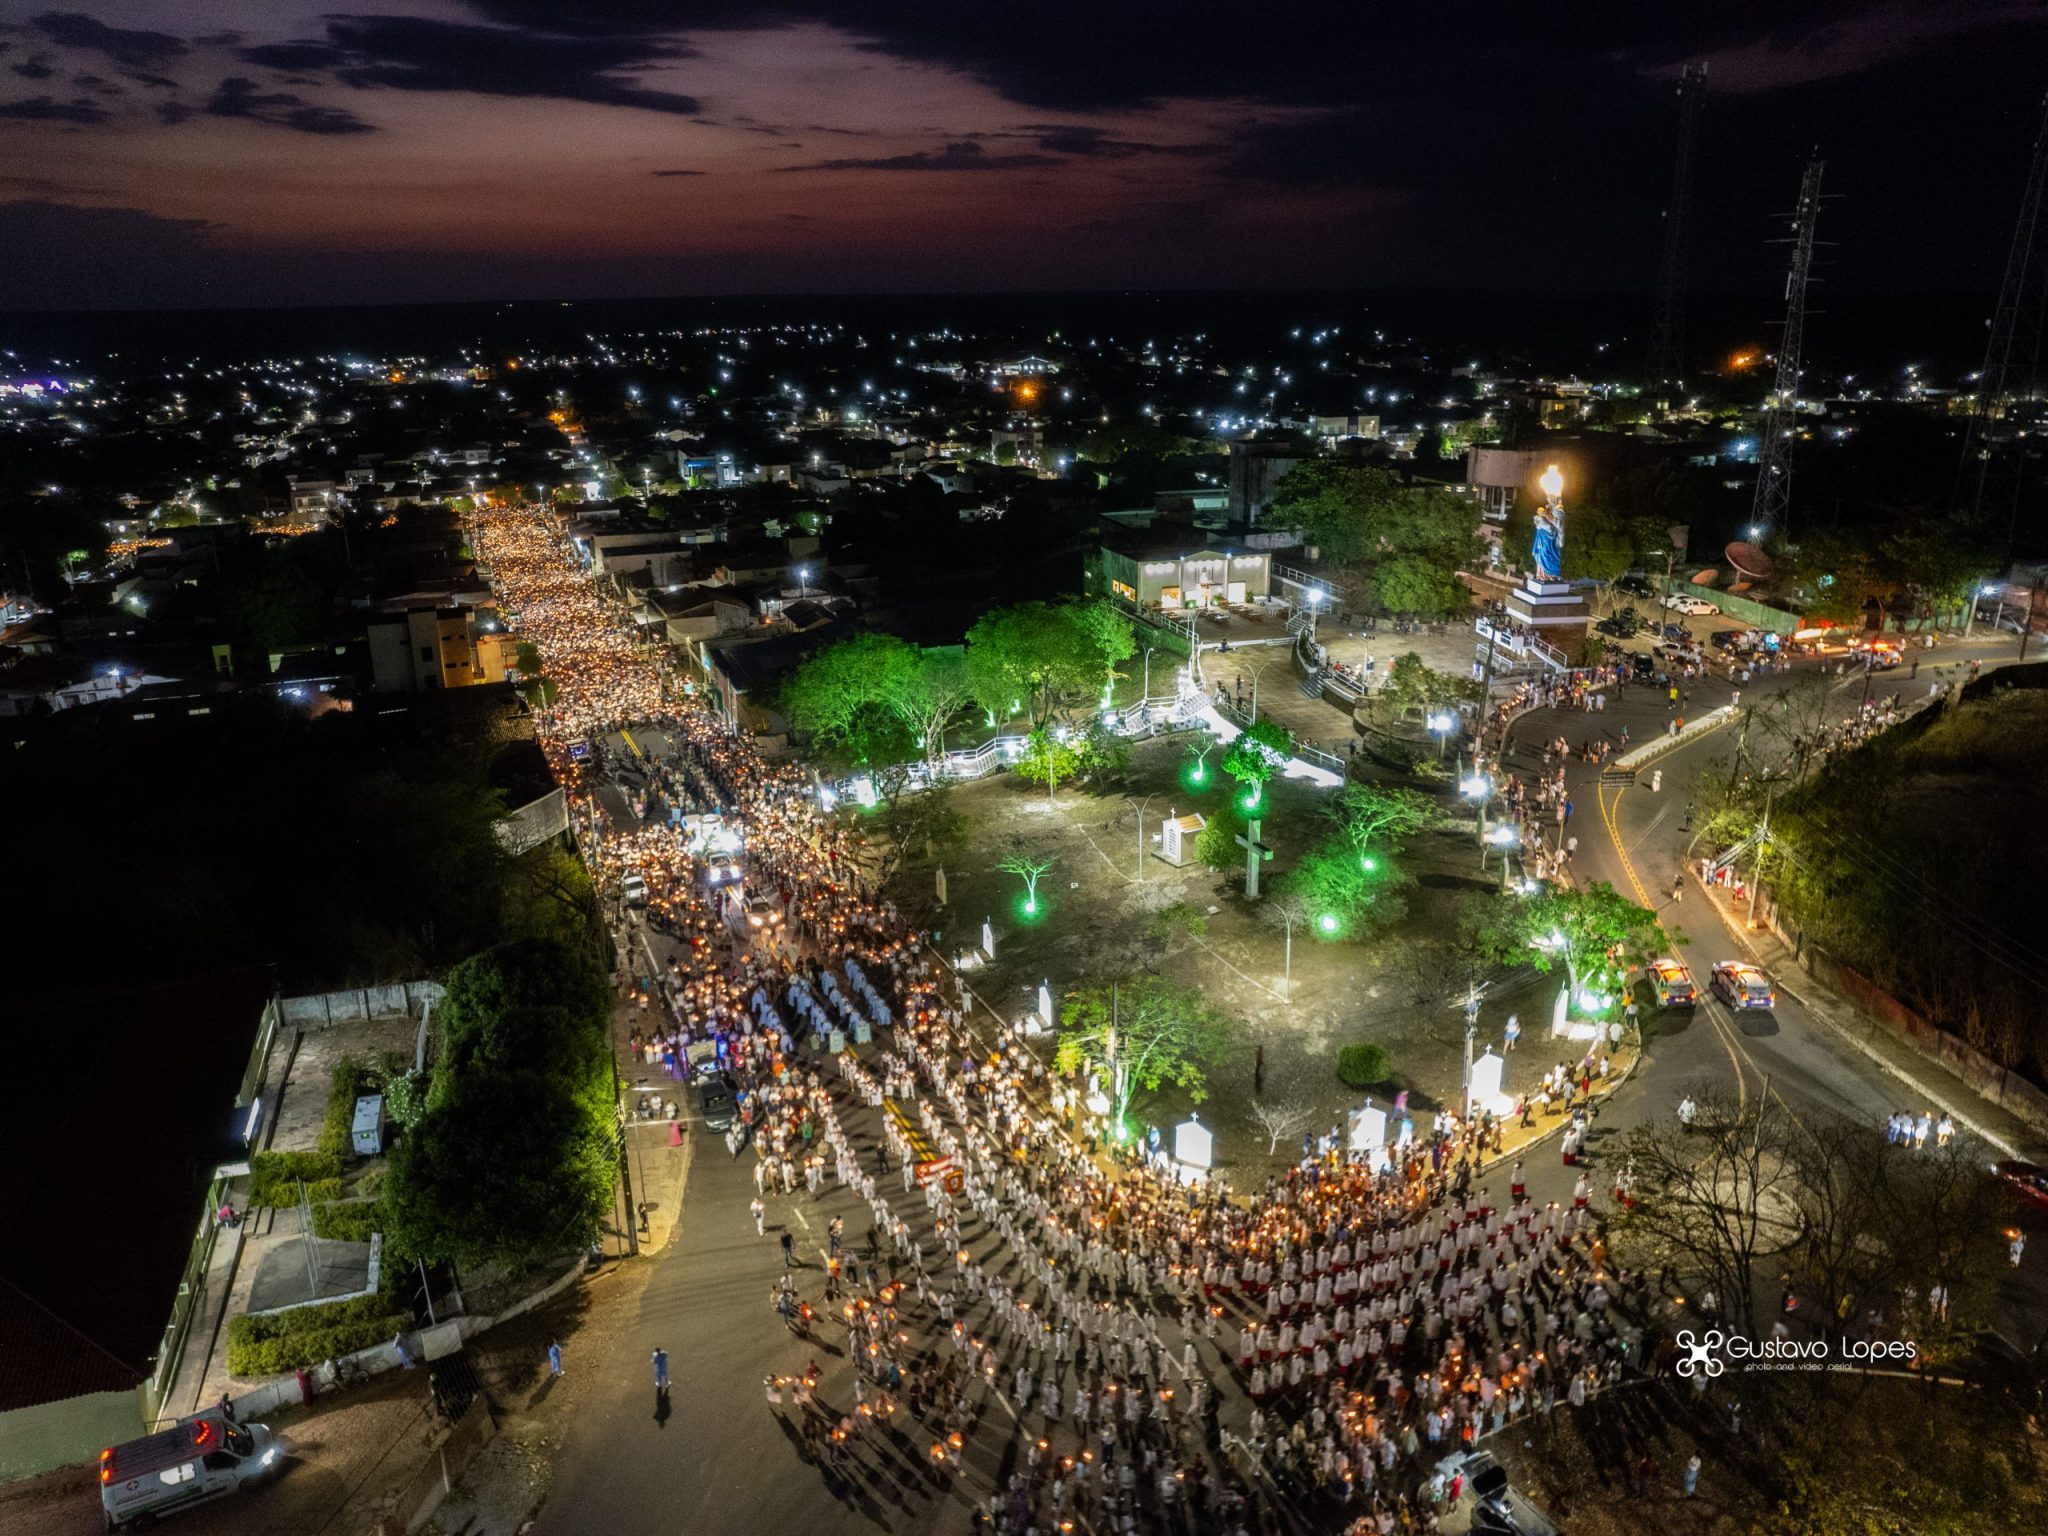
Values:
[(1823, 1015)]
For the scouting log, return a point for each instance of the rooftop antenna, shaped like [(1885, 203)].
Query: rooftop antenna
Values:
[(1994, 462), (1774, 463), (1667, 326)]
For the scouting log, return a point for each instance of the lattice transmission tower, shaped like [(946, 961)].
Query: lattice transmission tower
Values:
[(1667, 324), (1781, 426), (2008, 404)]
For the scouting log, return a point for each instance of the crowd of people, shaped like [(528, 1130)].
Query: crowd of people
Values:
[(1059, 1324)]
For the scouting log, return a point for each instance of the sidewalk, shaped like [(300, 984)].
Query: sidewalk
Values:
[(1929, 1082)]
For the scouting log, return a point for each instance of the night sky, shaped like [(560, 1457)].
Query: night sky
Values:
[(200, 152)]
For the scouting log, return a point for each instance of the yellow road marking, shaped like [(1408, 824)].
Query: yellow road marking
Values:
[(1611, 815)]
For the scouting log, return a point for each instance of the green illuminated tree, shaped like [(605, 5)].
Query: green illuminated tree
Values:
[(1140, 1034), (1048, 757), (1038, 659), (1596, 933), (1030, 866), (1256, 756)]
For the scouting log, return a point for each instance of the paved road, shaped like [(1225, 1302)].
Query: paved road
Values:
[(1636, 840)]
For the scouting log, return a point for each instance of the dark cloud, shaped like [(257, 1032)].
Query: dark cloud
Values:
[(963, 155), (155, 82), (34, 69), (676, 173), (46, 109), (295, 55), (136, 49), (560, 61), (1095, 143), (239, 97)]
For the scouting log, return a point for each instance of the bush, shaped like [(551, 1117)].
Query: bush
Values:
[(352, 1079), (1363, 1066), (274, 1177), (349, 1221), (405, 1099), (285, 1341)]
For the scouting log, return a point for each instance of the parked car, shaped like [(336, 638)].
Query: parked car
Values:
[(1671, 984), (1642, 665), (1635, 586), (1726, 640), (1681, 602), (1742, 985), (1621, 625), (2028, 1180)]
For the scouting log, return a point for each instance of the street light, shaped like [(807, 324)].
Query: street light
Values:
[(1476, 786), (1440, 725), (803, 574)]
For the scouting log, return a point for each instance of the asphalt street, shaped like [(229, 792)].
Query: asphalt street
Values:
[(1636, 839), (717, 1457)]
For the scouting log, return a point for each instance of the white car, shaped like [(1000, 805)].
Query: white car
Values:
[(1678, 602)]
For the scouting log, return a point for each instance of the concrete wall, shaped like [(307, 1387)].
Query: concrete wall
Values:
[(1984, 1076), (66, 1433), (1743, 610)]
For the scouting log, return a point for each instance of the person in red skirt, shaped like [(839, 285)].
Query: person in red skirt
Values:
[(1518, 1187)]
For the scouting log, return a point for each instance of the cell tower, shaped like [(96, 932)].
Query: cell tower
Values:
[(1774, 463), (2008, 388), (1667, 326)]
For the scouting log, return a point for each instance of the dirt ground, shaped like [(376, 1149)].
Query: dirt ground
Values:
[(1396, 990)]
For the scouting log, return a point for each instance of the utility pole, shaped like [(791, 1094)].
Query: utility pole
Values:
[(1756, 872), (1994, 455), (1471, 1031), (1774, 464), (1667, 326)]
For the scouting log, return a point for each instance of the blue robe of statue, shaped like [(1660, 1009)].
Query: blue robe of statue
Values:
[(1547, 551)]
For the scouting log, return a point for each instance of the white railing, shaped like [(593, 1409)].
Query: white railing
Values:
[(1518, 644), (1300, 578)]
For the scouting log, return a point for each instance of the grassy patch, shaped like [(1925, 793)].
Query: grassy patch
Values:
[(285, 1341)]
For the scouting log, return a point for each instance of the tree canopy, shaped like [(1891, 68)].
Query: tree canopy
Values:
[(1040, 659), (1404, 544), (1595, 932), (1141, 1033), (514, 1154)]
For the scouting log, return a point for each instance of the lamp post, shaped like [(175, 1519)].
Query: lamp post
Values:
[(803, 575), (1145, 690), (1504, 837), (1476, 787), (1141, 809), (1440, 727)]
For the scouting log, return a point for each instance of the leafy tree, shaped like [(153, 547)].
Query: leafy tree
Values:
[(927, 697), (1042, 658), (1256, 756), (1105, 754), (1338, 506), (508, 1165), (1376, 822), (549, 895), (1595, 932), (531, 1004), (1047, 757), (1351, 895), (1216, 844), (836, 694), (1141, 1034)]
